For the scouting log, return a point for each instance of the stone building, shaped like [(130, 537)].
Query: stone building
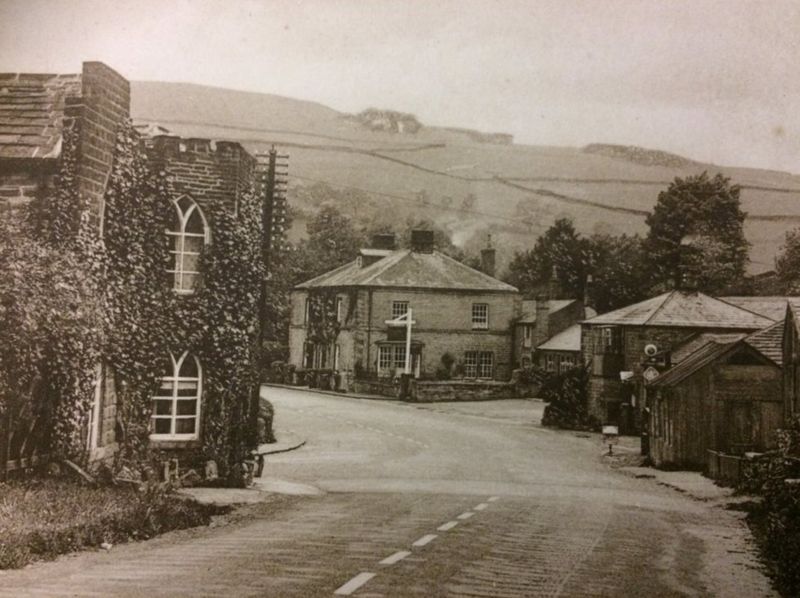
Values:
[(35, 111), (204, 178), (457, 312), (614, 344)]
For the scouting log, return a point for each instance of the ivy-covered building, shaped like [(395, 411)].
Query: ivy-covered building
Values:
[(172, 229), (462, 318)]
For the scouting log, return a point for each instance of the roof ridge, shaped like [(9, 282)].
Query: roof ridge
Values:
[(667, 297), (325, 275), (481, 273), (385, 264), (721, 300)]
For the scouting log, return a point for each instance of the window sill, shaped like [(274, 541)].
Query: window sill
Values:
[(174, 443)]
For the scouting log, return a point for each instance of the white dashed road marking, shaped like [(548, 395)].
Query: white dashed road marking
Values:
[(466, 515), (447, 526), (481, 506), (355, 583), (397, 556), (425, 540)]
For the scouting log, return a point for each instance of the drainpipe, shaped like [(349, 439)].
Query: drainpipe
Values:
[(369, 329)]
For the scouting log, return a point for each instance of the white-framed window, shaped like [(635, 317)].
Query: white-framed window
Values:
[(399, 309), (176, 405), (339, 314), (567, 362), (479, 364), (188, 235), (550, 363), (480, 315), (391, 358)]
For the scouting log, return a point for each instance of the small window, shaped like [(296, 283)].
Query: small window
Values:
[(550, 363), (188, 236), (480, 315), (176, 405), (566, 363), (479, 364), (399, 309)]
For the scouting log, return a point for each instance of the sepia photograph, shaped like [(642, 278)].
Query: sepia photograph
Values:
[(399, 298)]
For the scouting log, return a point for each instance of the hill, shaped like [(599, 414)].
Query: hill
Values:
[(470, 182)]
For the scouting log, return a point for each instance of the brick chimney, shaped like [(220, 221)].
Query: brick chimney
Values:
[(488, 257), (541, 330), (384, 241), (422, 241)]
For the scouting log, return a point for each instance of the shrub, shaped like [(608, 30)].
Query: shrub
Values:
[(777, 520), (567, 400)]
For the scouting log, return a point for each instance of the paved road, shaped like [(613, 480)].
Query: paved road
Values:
[(447, 500)]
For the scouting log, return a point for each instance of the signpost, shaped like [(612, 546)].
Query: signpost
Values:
[(407, 321)]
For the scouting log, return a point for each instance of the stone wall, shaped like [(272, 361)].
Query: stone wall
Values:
[(384, 388), (460, 390)]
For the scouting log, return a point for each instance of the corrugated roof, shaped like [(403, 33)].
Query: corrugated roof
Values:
[(772, 307), (32, 113), (411, 269), (566, 340), (769, 342), (553, 306), (687, 309)]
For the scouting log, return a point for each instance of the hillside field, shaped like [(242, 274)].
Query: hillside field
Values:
[(519, 190)]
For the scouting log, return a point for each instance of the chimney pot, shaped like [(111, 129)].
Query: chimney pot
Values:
[(422, 241), (384, 241)]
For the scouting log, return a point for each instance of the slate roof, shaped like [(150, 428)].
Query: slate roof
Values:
[(697, 360), (698, 341), (568, 339), (553, 305), (410, 269), (32, 113), (685, 309), (772, 307), (769, 342)]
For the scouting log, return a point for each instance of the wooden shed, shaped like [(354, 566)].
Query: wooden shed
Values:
[(724, 397)]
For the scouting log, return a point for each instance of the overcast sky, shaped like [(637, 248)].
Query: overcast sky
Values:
[(715, 81)]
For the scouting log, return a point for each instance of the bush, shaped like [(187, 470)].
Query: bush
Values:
[(567, 400), (777, 519), (45, 518)]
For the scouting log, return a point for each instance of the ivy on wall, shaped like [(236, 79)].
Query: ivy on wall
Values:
[(51, 315), (323, 322), (218, 323)]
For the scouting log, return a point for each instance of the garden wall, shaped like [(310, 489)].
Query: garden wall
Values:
[(461, 390)]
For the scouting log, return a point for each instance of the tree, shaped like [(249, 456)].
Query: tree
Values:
[(787, 263), (619, 271), (696, 234), (560, 249), (332, 241)]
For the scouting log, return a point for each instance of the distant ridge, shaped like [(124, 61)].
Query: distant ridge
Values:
[(468, 182)]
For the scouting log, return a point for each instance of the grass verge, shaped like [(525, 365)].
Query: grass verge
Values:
[(40, 519)]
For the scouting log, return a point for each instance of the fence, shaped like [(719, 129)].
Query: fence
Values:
[(725, 468)]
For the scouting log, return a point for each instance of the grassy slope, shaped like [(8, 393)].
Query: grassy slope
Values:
[(520, 189)]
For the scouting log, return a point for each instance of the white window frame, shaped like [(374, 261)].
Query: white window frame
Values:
[(480, 316), (174, 381), (549, 362), (178, 237), (391, 358), (479, 364), (399, 309)]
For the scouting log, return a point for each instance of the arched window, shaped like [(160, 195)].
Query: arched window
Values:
[(176, 405), (189, 234)]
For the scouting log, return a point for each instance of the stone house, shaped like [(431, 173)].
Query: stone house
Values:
[(456, 310), (614, 345), (723, 397), (35, 111), (542, 319)]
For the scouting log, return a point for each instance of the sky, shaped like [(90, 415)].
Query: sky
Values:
[(716, 81)]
